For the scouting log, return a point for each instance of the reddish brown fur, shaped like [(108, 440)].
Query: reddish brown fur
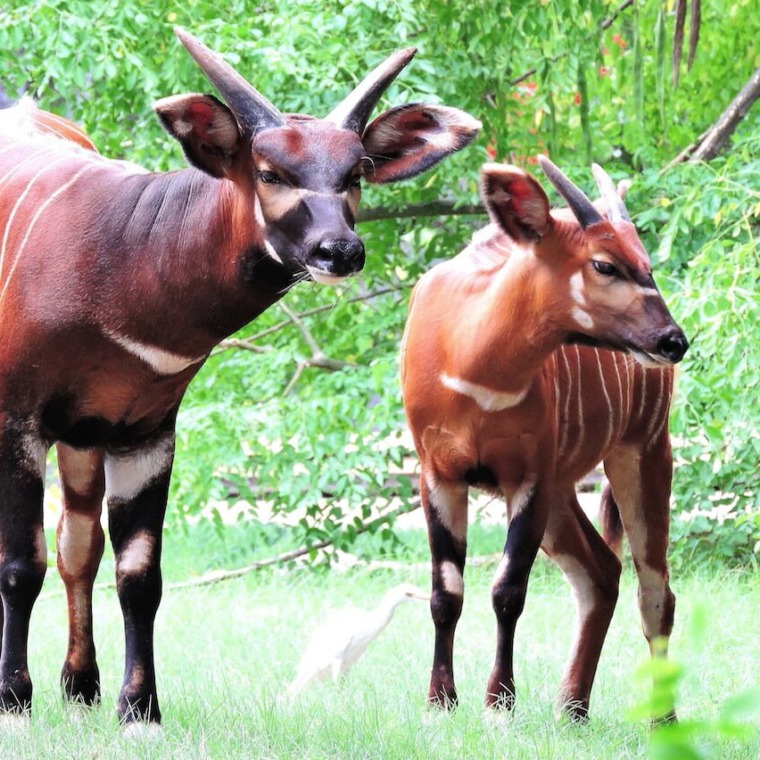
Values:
[(116, 284), (494, 399)]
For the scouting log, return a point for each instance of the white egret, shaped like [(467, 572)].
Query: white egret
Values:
[(344, 637)]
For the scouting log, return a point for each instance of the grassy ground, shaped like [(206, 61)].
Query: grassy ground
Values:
[(226, 652)]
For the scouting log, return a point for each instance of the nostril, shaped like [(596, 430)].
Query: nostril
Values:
[(673, 346), (341, 255)]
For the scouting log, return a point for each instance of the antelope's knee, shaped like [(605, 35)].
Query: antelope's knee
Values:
[(508, 599)]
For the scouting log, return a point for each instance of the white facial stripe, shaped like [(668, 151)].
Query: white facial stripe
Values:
[(582, 317), (160, 361), (650, 292), (576, 288), (258, 214), (269, 248), (451, 578), (127, 476), (487, 399)]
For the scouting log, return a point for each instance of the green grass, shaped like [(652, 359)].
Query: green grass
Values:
[(226, 652)]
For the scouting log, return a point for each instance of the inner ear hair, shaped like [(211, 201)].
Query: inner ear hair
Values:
[(515, 201)]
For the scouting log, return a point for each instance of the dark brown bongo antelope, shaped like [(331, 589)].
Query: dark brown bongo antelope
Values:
[(507, 387), (116, 283)]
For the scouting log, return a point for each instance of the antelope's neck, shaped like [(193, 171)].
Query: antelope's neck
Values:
[(195, 255), (511, 330)]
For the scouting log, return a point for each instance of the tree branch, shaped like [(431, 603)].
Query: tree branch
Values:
[(431, 208), (248, 343), (709, 143), (718, 135), (414, 210)]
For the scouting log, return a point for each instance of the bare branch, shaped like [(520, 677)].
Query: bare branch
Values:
[(721, 131), (245, 345), (432, 208), (709, 143)]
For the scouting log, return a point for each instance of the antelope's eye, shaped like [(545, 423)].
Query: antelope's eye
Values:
[(355, 180), (605, 268), (269, 178)]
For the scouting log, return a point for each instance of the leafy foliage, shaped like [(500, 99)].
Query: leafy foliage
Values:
[(318, 456)]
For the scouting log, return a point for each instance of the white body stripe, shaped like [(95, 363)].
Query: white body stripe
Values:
[(19, 201), (62, 189), (487, 399), (160, 361), (610, 427)]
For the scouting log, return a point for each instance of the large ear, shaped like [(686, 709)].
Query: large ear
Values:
[(206, 129), (515, 201), (406, 140)]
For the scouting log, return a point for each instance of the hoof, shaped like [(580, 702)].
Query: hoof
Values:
[(81, 688), (502, 701)]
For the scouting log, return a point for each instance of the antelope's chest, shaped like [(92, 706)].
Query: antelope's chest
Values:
[(112, 410)]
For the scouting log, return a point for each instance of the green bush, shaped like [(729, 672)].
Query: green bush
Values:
[(317, 452)]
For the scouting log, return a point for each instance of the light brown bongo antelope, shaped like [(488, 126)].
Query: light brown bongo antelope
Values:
[(116, 283), (508, 386)]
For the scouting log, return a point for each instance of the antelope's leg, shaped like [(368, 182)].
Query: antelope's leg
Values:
[(23, 556), (527, 510), (641, 482), (609, 516), (137, 487), (80, 541), (593, 571), (445, 506)]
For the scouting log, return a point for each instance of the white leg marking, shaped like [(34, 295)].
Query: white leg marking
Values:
[(137, 555), (581, 585), (451, 578), (450, 504), (35, 455), (128, 475), (487, 399), (520, 499), (75, 541), (501, 570)]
